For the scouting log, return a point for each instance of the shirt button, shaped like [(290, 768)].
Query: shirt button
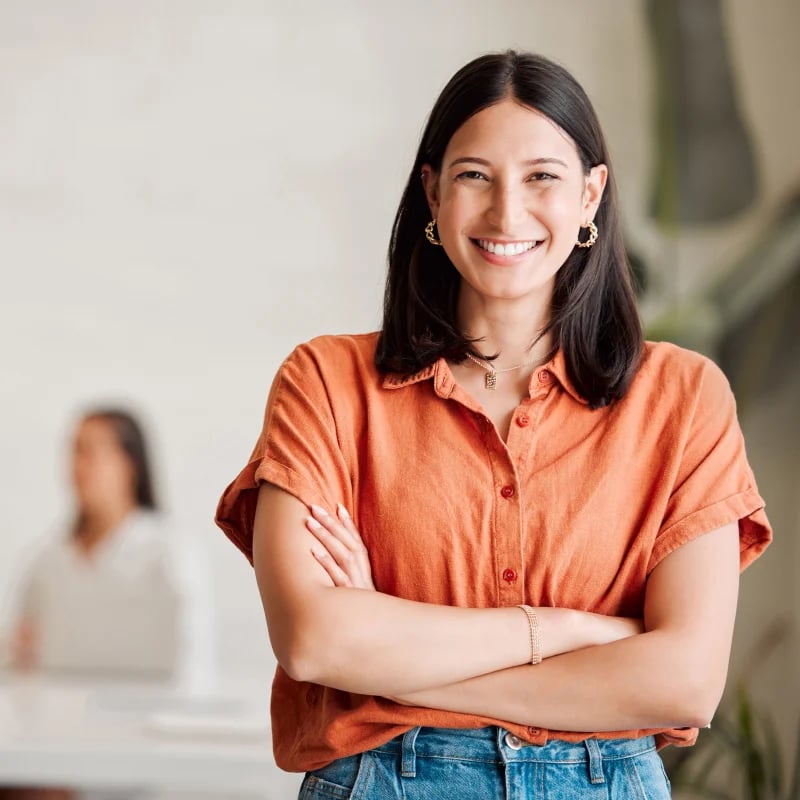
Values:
[(534, 731), (509, 576), (523, 420), (507, 491), (514, 742), (544, 376)]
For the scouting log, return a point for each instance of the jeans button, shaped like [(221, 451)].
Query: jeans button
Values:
[(514, 742)]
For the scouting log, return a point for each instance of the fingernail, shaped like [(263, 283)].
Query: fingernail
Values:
[(312, 523), (342, 511), (316, 553), (319, 510)]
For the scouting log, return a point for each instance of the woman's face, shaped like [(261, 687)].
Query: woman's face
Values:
[(510, 199), (102, 473)]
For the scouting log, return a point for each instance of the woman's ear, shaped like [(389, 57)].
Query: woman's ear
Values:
[(430, 184), (593, 190)]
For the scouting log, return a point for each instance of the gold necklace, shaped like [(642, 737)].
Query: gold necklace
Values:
[(490, 378)]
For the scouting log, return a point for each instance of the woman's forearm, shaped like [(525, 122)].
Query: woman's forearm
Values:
[(646, 681), (372, 643)]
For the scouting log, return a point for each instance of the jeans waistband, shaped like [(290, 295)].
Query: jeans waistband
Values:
[(496, 744)]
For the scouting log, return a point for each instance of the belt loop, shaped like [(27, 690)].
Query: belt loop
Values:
[(595, 761), (409, 756)]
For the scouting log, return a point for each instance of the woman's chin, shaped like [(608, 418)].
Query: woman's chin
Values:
[(503, 291)]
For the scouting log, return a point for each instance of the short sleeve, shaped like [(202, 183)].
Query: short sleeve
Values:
[(298, 450), (714, 484)]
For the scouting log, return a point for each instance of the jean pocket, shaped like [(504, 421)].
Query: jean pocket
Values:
[(335, 781), (314, 788)]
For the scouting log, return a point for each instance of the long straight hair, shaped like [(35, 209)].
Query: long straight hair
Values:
[(593, 316)]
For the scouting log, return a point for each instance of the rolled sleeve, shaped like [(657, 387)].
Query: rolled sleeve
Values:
[(298, 450), (714, 484)]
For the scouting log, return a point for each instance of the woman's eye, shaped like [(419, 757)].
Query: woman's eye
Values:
[(542, 176), (471, 175)]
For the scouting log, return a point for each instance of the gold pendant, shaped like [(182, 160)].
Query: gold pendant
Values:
[(491, 380)]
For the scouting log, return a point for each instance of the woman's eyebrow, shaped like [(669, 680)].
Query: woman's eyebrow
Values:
[(531, 162)]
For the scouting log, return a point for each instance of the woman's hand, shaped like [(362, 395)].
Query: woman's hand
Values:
[(24, 647), (340, 549)]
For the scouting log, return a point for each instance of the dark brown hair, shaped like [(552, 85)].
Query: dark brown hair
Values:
[(593, 315)]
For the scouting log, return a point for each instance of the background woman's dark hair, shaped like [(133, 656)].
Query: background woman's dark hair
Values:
[(132, 440), (593, 317)]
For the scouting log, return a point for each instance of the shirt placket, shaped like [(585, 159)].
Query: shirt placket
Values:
[(508, 509), (509, 467)]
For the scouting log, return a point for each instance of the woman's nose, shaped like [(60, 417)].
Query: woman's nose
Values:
[(508, 209)]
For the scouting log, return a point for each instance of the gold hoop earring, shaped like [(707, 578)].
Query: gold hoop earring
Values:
[(592, 235), (429, 233)]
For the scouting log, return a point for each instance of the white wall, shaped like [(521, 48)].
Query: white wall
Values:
[(188, 189)]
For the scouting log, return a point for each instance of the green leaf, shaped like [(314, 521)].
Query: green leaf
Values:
[(754, 768), (773, 762)]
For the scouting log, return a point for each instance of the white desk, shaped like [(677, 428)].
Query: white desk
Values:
[(61, 731)]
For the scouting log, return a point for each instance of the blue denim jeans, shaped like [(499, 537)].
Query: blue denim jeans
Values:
[(492, 764)]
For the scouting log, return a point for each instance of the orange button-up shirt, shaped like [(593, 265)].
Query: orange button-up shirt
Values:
[(574, 510)]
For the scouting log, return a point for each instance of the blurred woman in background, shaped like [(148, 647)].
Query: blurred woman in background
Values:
[(109, 594)]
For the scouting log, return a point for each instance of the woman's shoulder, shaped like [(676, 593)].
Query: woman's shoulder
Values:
[(340, 345), (672, 374), (334, 357), (50, 548), (143, 535), (671, 363)]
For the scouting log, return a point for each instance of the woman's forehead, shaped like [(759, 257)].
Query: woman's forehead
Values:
[(95, 429), (509, 129)]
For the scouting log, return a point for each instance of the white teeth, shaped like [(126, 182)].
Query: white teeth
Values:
[(510, 249)]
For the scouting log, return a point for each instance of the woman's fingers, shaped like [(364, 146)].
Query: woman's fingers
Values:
[(343, 557), (336, 573), (342, 542), (349, 525), (342, 532)]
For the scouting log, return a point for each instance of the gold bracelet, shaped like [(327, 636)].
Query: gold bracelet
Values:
[(536, 640)]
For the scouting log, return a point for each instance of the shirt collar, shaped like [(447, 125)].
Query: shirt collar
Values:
[(557, 368), (394, 380), (444, 381)]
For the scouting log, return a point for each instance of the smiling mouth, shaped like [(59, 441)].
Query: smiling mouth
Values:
[(506, 248)]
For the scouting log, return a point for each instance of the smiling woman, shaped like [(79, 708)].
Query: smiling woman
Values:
[(530, 581)]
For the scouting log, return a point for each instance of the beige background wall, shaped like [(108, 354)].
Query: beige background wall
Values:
[(188, 189)]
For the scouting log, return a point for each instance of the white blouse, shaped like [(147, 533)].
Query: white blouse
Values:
[(136, 603)]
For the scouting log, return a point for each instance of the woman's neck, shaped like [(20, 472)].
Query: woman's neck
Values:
[(97, 524), (510, 329)]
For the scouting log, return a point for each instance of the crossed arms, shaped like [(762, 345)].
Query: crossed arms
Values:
[(599, 673)]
